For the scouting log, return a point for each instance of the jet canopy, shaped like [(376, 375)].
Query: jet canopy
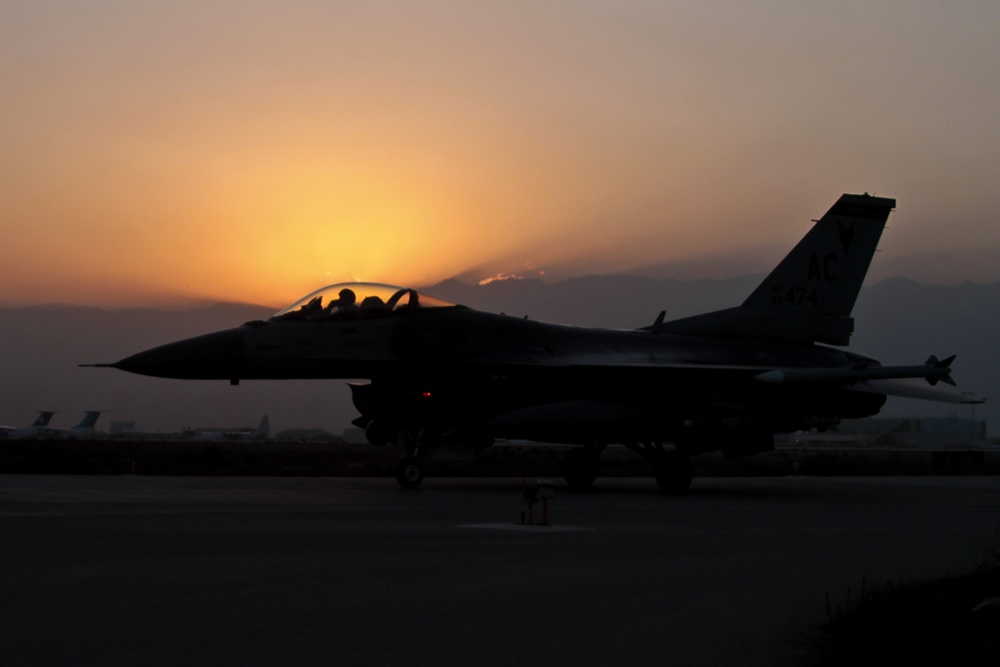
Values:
[(358, 300)]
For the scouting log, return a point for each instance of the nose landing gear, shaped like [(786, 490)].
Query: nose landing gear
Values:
[(409, 472)]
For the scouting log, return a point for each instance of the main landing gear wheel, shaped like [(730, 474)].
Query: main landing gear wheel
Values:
[(673, 472), (409, 473), (580, 467)]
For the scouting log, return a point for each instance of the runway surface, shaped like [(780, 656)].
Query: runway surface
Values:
[(332, 571)]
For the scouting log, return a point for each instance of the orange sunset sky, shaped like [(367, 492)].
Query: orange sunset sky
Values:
[(163, 153)]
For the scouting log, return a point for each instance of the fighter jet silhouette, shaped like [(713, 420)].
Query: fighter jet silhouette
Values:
[(442, 376)]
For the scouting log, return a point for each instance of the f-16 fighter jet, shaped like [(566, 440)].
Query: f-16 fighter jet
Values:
[(442, 376)]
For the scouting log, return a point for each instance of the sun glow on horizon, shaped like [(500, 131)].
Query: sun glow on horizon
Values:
[(183, 152)]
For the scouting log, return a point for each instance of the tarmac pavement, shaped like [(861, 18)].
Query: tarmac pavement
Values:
[(335, 571)]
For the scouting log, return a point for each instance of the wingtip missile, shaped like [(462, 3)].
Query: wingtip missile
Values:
[(942, 364), (933, 371)]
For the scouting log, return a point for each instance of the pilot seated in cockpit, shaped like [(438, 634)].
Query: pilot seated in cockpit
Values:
[(347, 302)]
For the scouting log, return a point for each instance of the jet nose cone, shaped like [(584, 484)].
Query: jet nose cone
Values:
[(217, 355)]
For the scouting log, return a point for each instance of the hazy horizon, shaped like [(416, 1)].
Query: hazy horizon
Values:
[(207, 302)]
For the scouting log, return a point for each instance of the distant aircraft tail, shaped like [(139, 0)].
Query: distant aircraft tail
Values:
[(810, 294), (43, 418), (89, 420), (262, 432), (264, 428)]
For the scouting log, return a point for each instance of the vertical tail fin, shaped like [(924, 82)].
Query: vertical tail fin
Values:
[(262, 432), (809, 296), (43, 418), (822, 275), (89, 419)]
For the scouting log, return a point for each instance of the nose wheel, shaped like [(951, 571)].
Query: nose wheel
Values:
[(409, 473)]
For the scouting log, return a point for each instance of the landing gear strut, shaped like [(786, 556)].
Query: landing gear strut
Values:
[(409, 471)]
